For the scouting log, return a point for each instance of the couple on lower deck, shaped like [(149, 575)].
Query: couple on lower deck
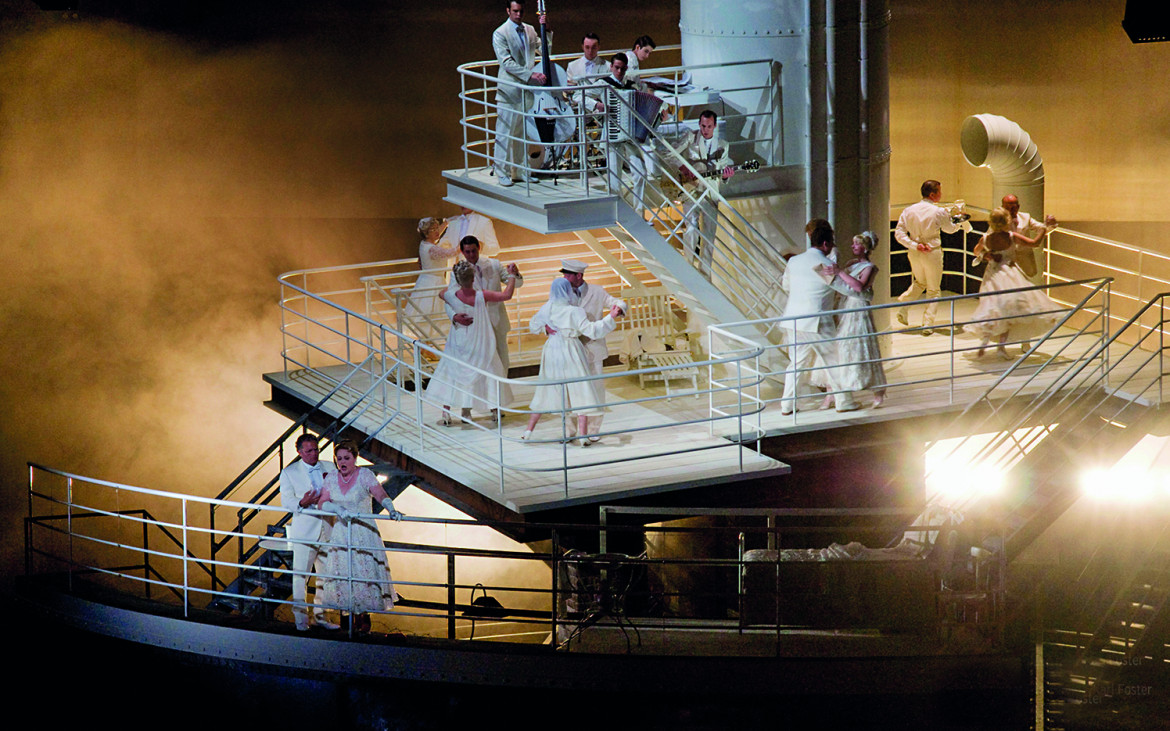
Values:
[(840, 352)]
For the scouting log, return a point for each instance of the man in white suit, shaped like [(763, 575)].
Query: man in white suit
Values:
[(300, 487), (489, 275), (470, 223), (515, 45), (709, 155), (811, 284), (920, 230), (587, 71)]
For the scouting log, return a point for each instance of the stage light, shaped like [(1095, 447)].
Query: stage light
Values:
[(1122, 483)]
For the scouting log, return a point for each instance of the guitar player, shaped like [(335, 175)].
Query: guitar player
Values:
[(707, 154)]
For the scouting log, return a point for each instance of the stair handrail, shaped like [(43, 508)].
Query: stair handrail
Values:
[(760, 293), (265, 494)]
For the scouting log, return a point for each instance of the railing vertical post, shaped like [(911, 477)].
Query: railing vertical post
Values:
[(710, 383), (500, 435), (69, 524), (186, 564), (739, 415), (565, 436), (416, 377), (450, 596), (556, 573), (349, 579), (603, 534), (146, 557), (951, 383)]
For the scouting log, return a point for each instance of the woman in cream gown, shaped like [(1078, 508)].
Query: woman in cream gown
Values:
[(858, 353), (456, 383), (1021, 315), (425, 300), (564, 356)]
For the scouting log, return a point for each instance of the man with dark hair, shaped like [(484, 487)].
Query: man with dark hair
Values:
[(516, 45), (489, 275), (708, 155), (588, 70), (639, 159), (811, 284), (300, 487), (920, 230), (643, 45)]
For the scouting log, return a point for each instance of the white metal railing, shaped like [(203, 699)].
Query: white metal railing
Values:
[(322, 333), (479, 82), (1078, 332), (139, 541)]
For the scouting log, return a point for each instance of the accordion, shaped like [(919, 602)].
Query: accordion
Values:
[(623, 109)]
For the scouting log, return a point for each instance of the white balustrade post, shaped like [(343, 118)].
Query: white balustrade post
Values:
[(69, 525), (186, 564)]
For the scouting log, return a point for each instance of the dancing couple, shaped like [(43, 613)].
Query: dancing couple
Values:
[(816, 286)]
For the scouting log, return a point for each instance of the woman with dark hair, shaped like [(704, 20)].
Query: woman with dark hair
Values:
[(357, 576), (858, 356)]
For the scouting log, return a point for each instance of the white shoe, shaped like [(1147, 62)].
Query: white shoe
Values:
[(326, 624), (526, 435), (504, 180), (302, 621)]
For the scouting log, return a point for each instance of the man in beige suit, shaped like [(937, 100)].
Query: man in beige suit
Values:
[(515, 45)]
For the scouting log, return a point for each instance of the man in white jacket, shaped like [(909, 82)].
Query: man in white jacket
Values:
[(300, 487), (920, 229)]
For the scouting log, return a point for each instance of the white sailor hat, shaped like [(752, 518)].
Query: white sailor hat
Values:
[(573, 266)]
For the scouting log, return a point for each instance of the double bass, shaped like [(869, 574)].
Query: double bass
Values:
[(550, 121)]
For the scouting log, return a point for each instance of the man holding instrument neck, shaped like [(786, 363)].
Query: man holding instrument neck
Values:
[(516, 45), (708, 155)]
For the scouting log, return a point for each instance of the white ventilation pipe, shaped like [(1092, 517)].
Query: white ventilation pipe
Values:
[(1001, 145)]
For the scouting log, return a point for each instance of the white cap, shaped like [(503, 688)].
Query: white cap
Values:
[(573, 266)]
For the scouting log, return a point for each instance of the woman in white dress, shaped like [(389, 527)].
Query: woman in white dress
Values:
[(859, 355), (431, 255), (1016, 314), (356, 558), (455, 382), (564, 356)]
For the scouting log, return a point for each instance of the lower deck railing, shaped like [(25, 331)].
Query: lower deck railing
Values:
[(636, 578)]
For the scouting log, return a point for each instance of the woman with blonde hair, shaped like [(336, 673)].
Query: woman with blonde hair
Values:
[(459, 379), (432, 255), (1019, 314)]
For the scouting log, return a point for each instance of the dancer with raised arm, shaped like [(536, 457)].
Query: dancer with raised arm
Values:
[(431, 255), (1019, 314), (456, 381), (564, 356)]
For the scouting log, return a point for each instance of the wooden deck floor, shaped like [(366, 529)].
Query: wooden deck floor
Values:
[(656, 449)]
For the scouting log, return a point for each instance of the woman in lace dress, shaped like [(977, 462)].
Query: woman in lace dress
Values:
[(454, 382), (356, 558), (431, 255), (858, 354), (1018, 314), (564, 356)]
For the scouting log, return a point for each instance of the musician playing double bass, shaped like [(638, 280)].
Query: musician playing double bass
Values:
[(516, 45), (708, 154)]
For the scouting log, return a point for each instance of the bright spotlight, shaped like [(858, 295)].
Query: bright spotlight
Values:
[(1122, 483)]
